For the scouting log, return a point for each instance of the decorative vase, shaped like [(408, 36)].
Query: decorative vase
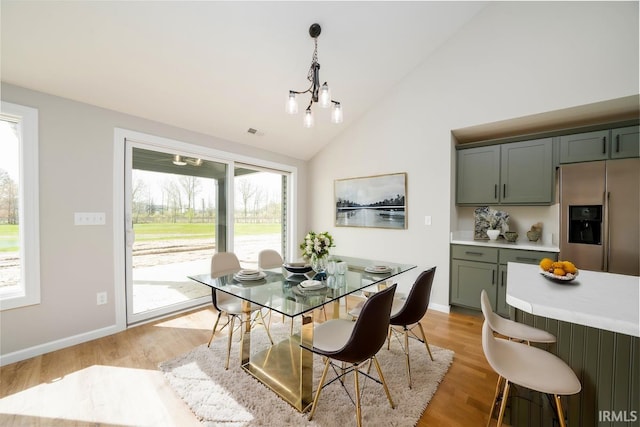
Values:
[(493, 234), (319, 265)]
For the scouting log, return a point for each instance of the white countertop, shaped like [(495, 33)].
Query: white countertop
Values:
[(466, 238), (600, 300)]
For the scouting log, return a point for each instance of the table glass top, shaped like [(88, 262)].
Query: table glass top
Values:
[(279, 290)]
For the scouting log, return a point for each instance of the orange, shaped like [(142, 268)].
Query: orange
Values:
[(557, 264), (559, 272), (569, 267), (545, 264)]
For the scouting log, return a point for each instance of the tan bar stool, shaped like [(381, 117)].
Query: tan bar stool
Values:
[(529, 367), (509, 328)]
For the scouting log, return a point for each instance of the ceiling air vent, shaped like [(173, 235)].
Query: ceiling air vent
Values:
[(252, 131)]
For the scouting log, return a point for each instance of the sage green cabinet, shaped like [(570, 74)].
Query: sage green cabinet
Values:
[(517, 173), (625, 142), (607, 144), (478, 175), (474, 268)]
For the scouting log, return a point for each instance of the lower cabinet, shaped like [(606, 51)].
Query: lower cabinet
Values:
[(474, 268)]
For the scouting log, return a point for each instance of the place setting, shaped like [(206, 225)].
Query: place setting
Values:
[(249, 275), (377, 269)]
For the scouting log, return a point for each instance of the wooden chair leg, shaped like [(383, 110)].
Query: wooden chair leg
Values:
[(505, 396), (406, 355), (495, 399), (357, 391), (320, 384), (213, 331), (231, 321), (559, 410), (424, 338), (384, 383)]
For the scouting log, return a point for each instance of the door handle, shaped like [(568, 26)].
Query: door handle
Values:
[(495, 191), (504, 190), (493, 277), (617, 143), (604, 145)]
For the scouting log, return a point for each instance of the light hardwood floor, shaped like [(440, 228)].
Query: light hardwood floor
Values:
[(114, 381)]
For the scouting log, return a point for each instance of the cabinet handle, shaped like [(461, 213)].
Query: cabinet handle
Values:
[(504, 190), (617, 143), (604, 145), (493, 277), (473, 253), (495, 191), (502, 283), (521, 258)]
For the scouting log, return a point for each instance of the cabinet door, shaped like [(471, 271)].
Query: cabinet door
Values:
[(526, 172), (468, 279), (625, 142), (478, 175), (584, 147), (502, 308)]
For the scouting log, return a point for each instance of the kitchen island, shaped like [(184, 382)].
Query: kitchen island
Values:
[(597, 324)]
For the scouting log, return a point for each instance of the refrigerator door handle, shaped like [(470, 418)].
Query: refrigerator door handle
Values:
[(607, 249)]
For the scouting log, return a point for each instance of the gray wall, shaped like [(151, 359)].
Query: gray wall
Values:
[(76, 143)]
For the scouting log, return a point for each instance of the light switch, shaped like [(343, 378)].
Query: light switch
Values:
[(427, 220), (89, 218)]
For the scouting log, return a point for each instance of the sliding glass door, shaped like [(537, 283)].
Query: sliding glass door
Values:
[(260, 214), (176, 220), (179, 208)]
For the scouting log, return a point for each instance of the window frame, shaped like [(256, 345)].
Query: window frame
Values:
[(28, 293)]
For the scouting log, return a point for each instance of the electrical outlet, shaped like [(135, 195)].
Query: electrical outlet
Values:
[(101, 298), (89, 218)]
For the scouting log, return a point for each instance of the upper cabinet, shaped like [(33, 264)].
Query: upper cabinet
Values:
[(517, 173), (600, 145)]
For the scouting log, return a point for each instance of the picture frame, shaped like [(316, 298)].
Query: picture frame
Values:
[(378, 201)]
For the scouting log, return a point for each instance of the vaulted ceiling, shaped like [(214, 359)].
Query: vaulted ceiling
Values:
[(223, 67)]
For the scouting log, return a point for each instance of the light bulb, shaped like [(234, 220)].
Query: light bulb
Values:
[(177, 160), (292, 104), (336, 113), (324, 96), (308, 118)]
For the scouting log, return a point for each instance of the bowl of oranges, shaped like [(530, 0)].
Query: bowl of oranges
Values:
[(564, 271)]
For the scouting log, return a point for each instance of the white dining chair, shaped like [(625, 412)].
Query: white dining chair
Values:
[(223, 264)]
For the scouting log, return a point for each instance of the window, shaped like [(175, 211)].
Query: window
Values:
[(19, 215)]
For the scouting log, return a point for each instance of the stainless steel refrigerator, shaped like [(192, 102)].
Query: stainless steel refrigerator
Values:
[(599, 215)]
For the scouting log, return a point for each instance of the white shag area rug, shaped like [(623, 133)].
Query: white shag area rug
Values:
[(233, 398)]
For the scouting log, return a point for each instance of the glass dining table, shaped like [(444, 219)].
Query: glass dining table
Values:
[(285, 367)]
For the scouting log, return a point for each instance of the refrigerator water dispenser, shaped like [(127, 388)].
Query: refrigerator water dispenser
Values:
[(585, 224)]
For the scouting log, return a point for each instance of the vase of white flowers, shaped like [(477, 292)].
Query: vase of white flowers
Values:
[(315, 248)]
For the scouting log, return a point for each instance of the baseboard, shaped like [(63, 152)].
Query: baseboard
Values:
[(27, 353), (440, 307)]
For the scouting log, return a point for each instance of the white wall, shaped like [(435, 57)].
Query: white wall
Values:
[(76, 175), (513, 59)]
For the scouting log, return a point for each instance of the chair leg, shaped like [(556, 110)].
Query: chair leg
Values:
[(495, 398), (231, 321), (213, 331), (559, 410), (384, 383), (406, 354), (265, 326), (389, 338), (505, 396), (320, 384), (424, 338), (357, 391)]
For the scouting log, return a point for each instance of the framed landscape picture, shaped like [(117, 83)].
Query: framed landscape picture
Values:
[(373, 201)]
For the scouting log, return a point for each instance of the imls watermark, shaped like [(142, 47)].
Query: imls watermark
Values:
[(622, 416)]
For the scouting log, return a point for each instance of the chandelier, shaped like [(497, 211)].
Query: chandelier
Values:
[(319, 94)]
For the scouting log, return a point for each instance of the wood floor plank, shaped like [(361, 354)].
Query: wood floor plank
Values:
[(114, 380)]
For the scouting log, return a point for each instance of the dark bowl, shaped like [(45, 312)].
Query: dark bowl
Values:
[(297, 268)]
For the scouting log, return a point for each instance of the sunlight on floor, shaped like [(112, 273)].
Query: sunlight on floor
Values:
[(100, 394)]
